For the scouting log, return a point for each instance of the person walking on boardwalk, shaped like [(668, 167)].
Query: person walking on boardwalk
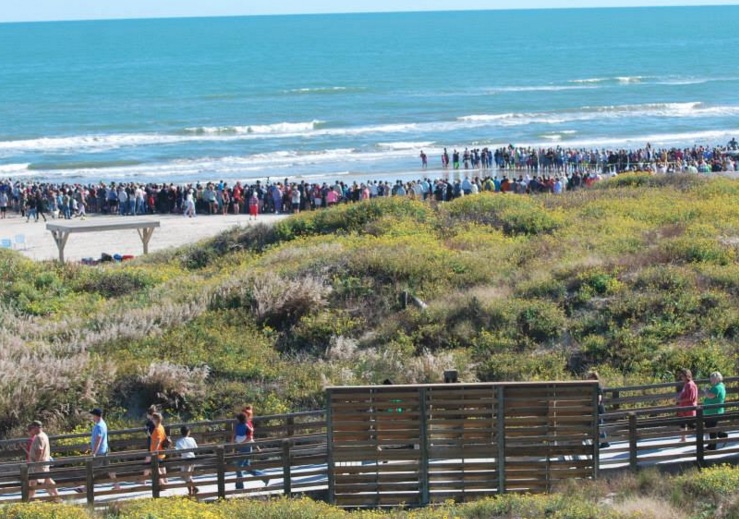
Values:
[(159, 442), (186, 443), (713, 400), (243, 436), (99, 445), (687, 400), (38, 452), (149, 426)]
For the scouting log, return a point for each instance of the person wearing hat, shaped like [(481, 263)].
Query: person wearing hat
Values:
[(40, 452)]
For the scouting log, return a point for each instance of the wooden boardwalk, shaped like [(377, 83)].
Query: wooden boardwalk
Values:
[(450, 450)]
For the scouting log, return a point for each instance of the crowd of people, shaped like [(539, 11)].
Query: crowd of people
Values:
[(506, 170), (564, 161)]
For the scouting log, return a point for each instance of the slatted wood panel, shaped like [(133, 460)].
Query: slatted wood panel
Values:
[(416, 445), (462, 441)]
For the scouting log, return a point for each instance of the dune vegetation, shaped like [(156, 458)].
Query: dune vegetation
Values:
[(635, 277), (708, 494)]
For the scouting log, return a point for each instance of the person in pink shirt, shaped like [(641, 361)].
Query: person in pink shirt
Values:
[(687, 398), (331, 197)]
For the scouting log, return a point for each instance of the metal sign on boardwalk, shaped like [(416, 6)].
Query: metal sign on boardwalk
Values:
[(419, 444)]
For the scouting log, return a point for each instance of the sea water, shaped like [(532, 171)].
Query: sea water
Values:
[(356, 96)]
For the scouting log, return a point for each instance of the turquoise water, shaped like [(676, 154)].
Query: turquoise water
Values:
[(356, 95)]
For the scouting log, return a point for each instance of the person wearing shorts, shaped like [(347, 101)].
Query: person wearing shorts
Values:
[(187, 442), (40, 451)]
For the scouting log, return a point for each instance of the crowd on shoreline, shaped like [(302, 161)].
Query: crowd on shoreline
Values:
[(560, 160), (507, 170)]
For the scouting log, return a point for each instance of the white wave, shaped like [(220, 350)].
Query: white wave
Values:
[(403, 132), (630, 79), (6, 169), (591, 80), (289, 128), (487, 118), (590, 113), (543, 88), (669, 109), (87, 142), (681, 82), (405, 145), (322, 90), (685, 139)]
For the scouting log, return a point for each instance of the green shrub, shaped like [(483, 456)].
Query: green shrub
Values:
[(540, 321), (699, 250), (514, 215), (43, 511), (114, 281), (352, 218), (512, 366)]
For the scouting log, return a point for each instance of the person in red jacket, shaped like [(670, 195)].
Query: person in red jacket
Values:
[(687, 398)]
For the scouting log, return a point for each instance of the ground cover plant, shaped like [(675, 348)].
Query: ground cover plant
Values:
[(635, 277), (707, 494)]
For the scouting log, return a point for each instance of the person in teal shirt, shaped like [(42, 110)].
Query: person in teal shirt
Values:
[(713, 399)]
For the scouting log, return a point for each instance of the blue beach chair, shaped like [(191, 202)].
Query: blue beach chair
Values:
[(6, 243), (20, 241)]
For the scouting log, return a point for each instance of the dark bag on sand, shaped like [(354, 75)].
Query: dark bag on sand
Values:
[(105, 257)]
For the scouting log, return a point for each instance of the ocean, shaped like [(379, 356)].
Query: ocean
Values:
[(325, 97)]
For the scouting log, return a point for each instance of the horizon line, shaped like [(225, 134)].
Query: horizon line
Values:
[(342, 13)]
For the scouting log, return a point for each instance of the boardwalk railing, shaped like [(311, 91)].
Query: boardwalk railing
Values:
[(275, 466), (206, 433), (642, 421), (387, 445)]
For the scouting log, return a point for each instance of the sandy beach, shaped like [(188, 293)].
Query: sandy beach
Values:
[(174, 231)]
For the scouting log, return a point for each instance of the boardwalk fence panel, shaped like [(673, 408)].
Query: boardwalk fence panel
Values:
[(413, 445)]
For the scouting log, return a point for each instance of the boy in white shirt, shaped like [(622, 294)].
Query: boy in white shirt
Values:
[(187, 442)]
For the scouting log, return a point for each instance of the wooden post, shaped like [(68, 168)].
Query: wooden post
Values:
[(90, 481), (596, 433), (155, 488), (330, 474), (423, 475), (287, 483), (633, 454), (221, 468), (700, 452), (25, 484), (60, 238), (145, 235), (501, 439), (290, 426)]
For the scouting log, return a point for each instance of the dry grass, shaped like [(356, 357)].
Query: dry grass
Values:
[(647, 507)]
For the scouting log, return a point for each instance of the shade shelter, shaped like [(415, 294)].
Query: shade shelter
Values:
[(61, 230)]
